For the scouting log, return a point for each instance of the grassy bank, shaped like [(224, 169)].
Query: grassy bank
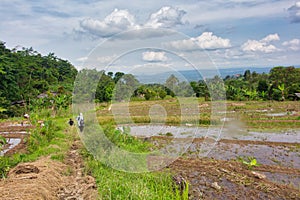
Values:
[(53, 139), (115, 184)]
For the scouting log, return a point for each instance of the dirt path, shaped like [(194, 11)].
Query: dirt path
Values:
[(49, 179)]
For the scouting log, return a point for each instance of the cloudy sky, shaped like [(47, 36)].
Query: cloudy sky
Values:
[(233, 33)]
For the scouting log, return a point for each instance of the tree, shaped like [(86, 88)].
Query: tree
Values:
[(118, 76), (105, 88), (247, 75), (216, 88), (172, 83), (162, 93), (262, 86), (125, 87), (200, 89), (184, 89), (150, 93)]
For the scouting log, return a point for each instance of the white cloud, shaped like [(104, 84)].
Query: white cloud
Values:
[(270, 38), (166, 17), (117, 21), (122, 20), (294, 12), (152, 56), (262, 45), (82, 59), (292, 44), (206, 40)]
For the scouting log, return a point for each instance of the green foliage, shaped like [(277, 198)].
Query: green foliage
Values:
[(24, 74), (250, 162), (2, 141), (125, 87), (47, 140), (200, 89), (162, 94), (105, 88), (114, 184), (280, 83), (169, 134), (251, 86), (2, 110), (183, 195), (172, 82)]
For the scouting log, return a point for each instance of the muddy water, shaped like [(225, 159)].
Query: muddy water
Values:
[(276, 153), (13, 134), (264, 154), (269, 149), (11, 143), (284, 179), (227, 133)]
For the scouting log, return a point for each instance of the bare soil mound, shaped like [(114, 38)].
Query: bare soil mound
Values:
[(49, 179)]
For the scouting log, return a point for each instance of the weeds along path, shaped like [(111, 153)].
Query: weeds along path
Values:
[(49, 179)]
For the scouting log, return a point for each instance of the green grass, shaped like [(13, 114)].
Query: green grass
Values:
[(43, 141), (114, 184)]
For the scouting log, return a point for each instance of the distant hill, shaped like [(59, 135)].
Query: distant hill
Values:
[(193, 75)]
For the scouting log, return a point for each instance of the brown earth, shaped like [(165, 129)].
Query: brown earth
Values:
[(49, 179), (209, 178), (215, 179)]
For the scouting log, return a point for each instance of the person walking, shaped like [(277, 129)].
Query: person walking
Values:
[(80, 122), (71, 122)]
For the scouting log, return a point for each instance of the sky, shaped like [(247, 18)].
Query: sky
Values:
[(150, 36)]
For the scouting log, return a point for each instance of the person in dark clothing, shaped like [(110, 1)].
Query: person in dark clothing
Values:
[(71, 122)]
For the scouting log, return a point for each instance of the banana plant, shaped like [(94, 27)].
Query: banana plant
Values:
[(282, 89)]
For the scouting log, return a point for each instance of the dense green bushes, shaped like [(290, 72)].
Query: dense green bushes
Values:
[(25, 74)]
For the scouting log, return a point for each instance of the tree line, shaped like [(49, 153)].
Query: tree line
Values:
[(29, 80), (280, 84)]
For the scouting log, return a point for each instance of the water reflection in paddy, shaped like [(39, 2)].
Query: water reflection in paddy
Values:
[(198, 132)]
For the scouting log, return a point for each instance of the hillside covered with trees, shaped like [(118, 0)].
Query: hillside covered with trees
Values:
[(28, 80)]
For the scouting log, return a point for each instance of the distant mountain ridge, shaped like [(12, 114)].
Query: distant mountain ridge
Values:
[(194, 75)]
